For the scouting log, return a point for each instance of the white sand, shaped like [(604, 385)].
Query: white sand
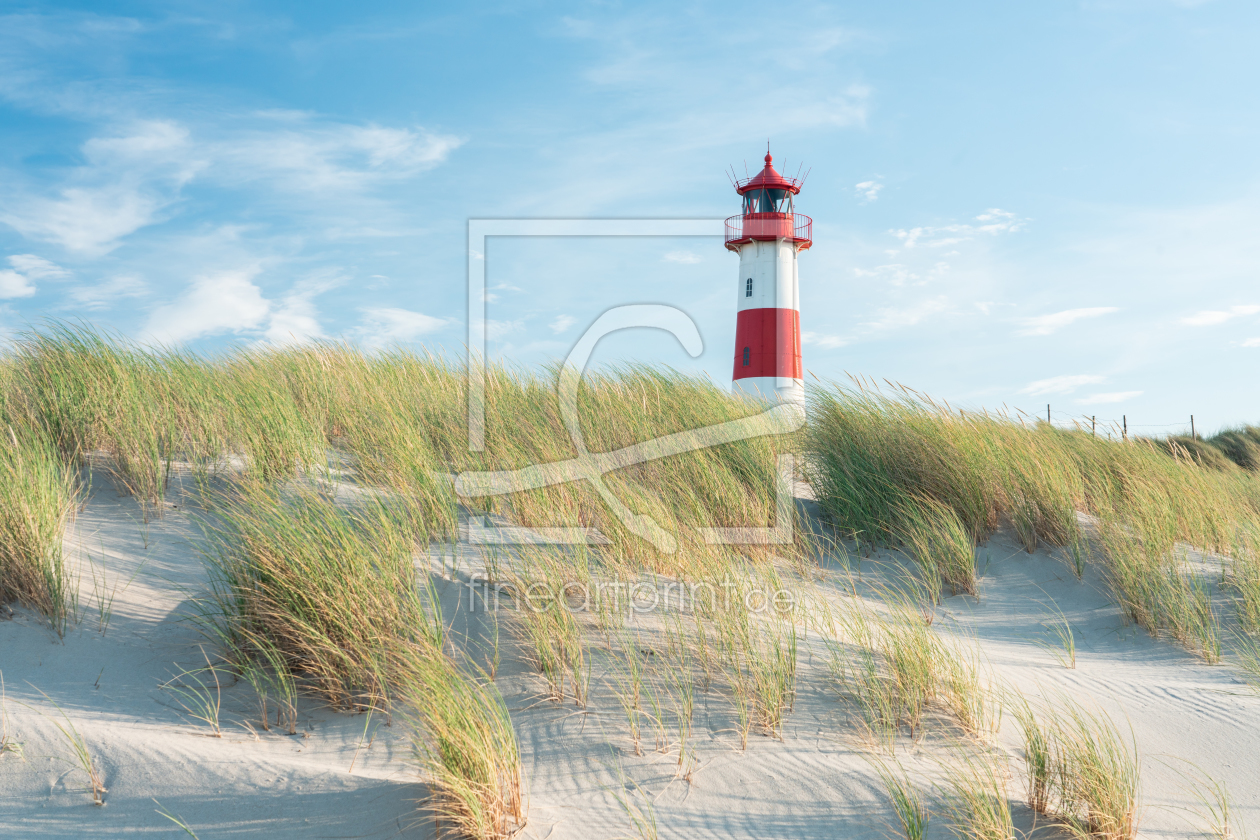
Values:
[(815, 783)]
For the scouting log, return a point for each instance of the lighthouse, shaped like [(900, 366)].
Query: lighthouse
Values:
[(768, 235)]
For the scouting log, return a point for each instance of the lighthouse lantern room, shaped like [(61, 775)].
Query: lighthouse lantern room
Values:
[(768, 235)]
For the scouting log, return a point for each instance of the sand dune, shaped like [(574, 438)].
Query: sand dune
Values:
[(816, 782)]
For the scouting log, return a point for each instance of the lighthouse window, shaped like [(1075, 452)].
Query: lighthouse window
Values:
[(748, 288), (747, 353), (766, 201)]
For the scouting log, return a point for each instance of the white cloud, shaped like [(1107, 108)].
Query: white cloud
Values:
[(1060, 384), (496, 330), (386, 325), (314, 157), (1111, 397), (37, 268), (909, 237), (1047, 324), (134, 179), (126, 184), (896, 273), (684, 257), (995, 222), (906, 316), (1251, 342), (14, 285), (104, 295), (294, 322), (87, 220), (296, 319), (999, 221), (1210, 317), (868, 191), (562, 323), (825, 342), (227, 301)]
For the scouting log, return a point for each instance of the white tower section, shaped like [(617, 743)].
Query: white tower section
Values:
[(769, 291)]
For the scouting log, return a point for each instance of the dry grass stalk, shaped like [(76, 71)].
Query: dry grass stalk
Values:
[(1080, 771), (912, 812), (81, 755), (8, 742), (895, 668), (464, 738), (196, 697), (977, 799)]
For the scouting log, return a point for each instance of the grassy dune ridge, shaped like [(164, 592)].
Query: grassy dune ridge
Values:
[(324, 472), (897, 468), (310, 594)]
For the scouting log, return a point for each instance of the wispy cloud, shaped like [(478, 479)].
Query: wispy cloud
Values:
[(868, 191), (896, 273), (387, 325), (684, 257), (309, 155), (561, 323), (994, 221), (997, 220), (1060, 384), (498, 330), (106, 295), (17, 282), (894, 317), (135, 178), (825, 342), (37, 268), (1048, 324), (1212, 317), (1251, 342), (1110, 397), (128, 181)]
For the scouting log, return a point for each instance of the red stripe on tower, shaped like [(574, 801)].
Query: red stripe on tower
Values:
[(767, 343)]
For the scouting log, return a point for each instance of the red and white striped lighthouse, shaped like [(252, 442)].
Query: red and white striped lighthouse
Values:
[(768, 235)]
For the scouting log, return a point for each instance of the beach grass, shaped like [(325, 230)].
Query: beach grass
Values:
[(1081, 770), (302, 584), (893, 467), (976, 798), (325, 472), (38, 495), (913, 815)]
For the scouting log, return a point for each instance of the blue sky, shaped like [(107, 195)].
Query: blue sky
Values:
[(1014, 203)]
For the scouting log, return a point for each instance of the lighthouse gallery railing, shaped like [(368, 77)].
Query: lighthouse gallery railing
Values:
[(767, 226)]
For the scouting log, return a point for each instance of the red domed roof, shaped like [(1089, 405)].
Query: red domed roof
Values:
[(768, 178)]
